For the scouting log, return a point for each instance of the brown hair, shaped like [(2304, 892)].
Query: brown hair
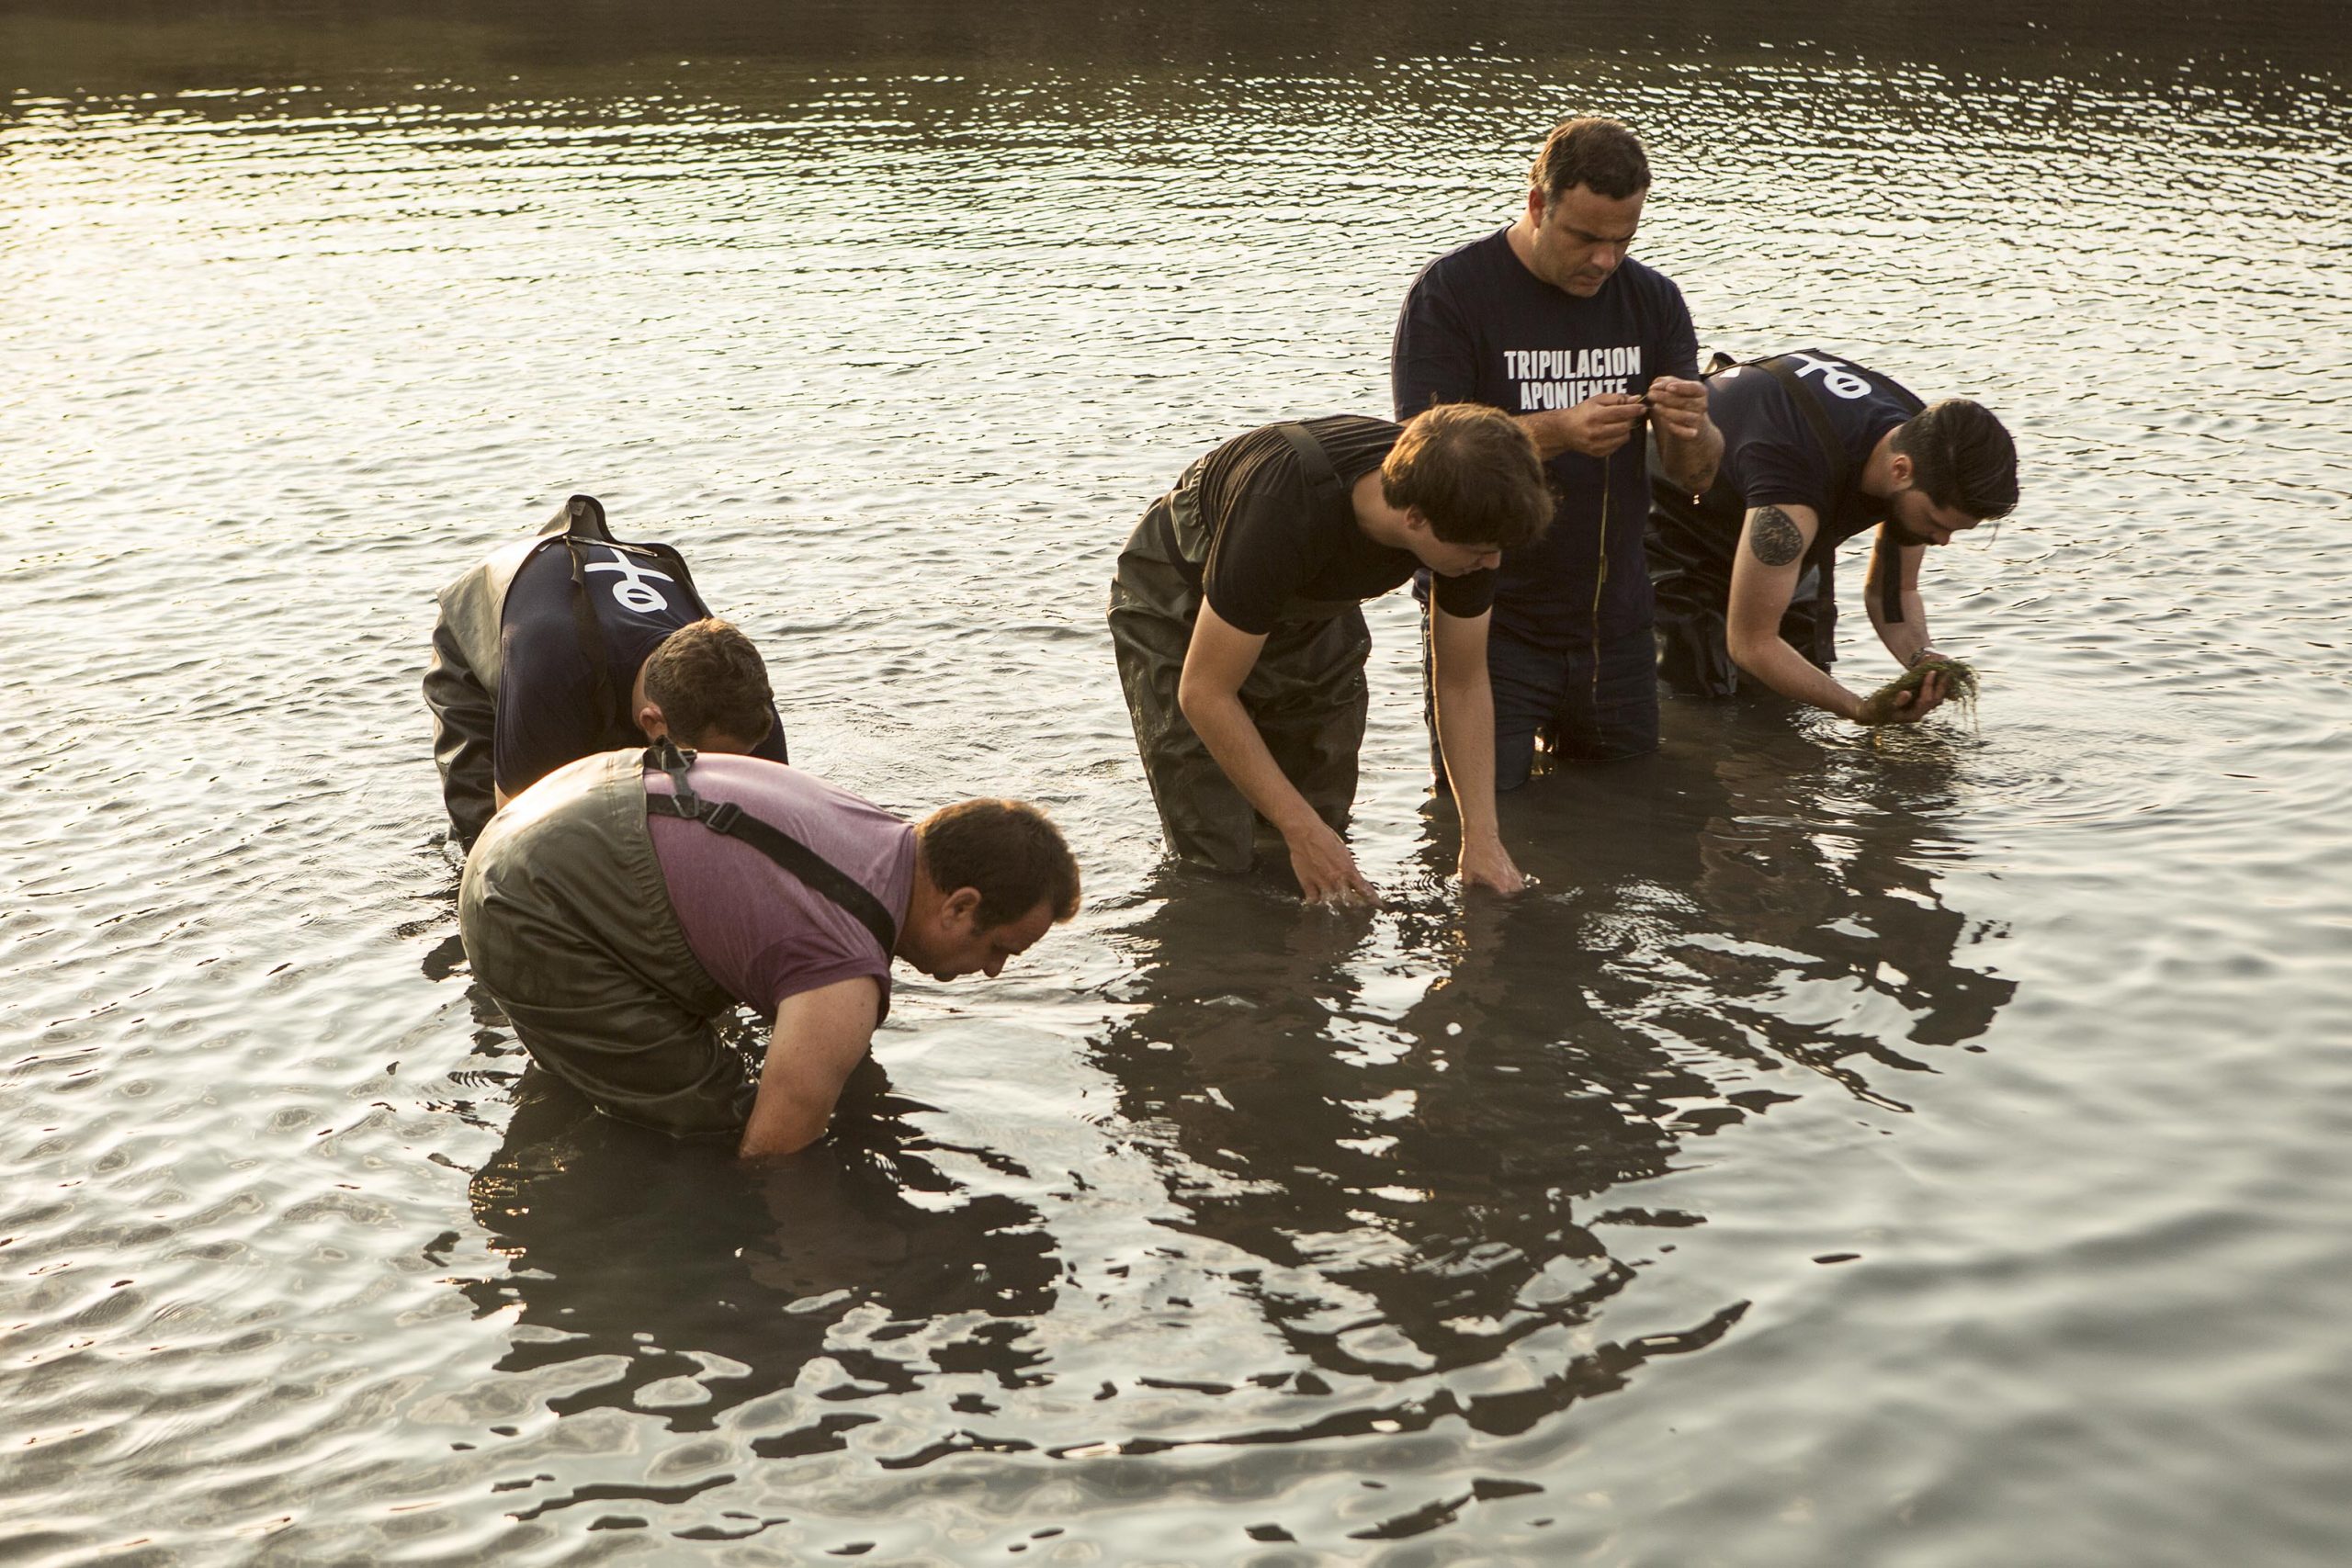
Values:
[(1962, 456), (1005, 849), (708, 679), (1473, 472), (1603, 155)]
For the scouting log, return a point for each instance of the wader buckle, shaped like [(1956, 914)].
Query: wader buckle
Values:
[(718, 819)]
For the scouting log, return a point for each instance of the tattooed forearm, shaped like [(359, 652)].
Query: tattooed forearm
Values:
[(1773, 537)]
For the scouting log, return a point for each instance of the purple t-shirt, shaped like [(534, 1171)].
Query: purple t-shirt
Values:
[(758, 931)]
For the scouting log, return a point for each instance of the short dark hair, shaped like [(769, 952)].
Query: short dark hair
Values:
[(1962, 456), (1007, 850), (1473, 472), (708, 679), (1603, 155)]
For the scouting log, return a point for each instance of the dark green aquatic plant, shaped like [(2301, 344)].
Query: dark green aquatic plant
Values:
[(1959, 687)]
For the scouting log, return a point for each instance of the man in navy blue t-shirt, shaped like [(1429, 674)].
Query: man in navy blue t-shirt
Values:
[(1816, 450), (1550, 321)]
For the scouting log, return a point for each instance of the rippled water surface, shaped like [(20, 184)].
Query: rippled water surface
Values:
[(1929, 1153)]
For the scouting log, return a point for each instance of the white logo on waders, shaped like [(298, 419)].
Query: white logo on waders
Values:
[(1835, 376), (635, 589)]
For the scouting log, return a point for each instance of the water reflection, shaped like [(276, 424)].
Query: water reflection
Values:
[(1434, 1127), (181, 42), (693, 1285), (1815, 934)]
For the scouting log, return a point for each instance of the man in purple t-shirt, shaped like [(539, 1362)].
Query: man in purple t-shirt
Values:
[(622, 904)]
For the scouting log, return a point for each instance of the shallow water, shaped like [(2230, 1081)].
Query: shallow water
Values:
[(1931, 1152)]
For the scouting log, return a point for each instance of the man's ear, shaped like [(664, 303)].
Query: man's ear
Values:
[(1899, 469), (963, 902), (650, 722), (1535, 205)]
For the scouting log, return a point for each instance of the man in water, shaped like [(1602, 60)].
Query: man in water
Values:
[(622, 904), (1241, 646), (545, 652), (1816, 449), (1550, 321)]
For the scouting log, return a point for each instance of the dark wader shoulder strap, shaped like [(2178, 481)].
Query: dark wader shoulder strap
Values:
[(1886, 565), (817, 872), (1323, 487), (587, 526), (1322, 483), (592, 634)]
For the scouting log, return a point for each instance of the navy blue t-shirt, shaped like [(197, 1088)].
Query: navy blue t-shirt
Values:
[(1772, 456), (548, 709), (1478, 327)]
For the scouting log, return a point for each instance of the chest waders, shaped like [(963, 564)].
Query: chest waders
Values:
[(568, 921), (1306, 694), (1690, 572), (462, 680)]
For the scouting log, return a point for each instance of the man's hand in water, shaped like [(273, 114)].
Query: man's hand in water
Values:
[(1326, 871), (1486, 863), (1905, 707)]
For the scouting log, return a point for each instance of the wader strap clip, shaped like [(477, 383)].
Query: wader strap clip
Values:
[(814, 871), (666, 755)]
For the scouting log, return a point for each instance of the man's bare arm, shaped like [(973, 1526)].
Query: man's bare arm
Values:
[(1763, 577), (819, 1037), (1764, 574), (1219, 659), (1906, 638), (1465, 729)]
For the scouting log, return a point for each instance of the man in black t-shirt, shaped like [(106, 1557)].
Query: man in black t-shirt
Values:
[(1816, 450), (1550, 321), (545, 653), (1242, 647)]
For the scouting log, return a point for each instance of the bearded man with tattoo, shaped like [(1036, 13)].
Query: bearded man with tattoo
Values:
[(1816, 450)]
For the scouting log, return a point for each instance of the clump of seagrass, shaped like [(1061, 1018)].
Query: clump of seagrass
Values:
[(1959, 687)]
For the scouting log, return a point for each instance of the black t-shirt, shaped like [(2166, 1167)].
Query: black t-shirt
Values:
[(1269, 545), (548, 709), (1478, 327), (1772, 456)]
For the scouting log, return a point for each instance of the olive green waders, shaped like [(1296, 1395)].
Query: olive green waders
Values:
[(568, 922), (1306, 694)]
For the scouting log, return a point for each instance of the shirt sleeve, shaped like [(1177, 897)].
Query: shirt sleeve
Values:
[(1465, 597), (1433, 358), (783, 971), (1780, 468), (1677, 349)]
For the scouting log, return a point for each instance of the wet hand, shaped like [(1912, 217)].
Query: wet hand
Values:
[(1326, 871), (1486, 863), (1678, 407), (1599, 425), (1906, 708)]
